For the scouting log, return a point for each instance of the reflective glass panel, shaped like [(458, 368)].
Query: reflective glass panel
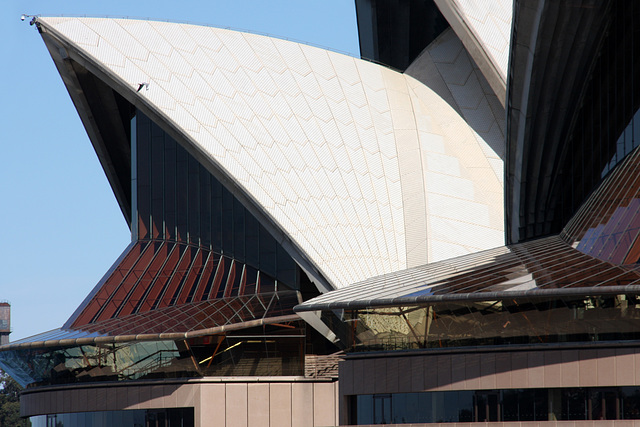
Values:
[(494, 322)]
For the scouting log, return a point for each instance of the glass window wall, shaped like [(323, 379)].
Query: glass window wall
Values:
[(179, 200), (270, 350), (556, 404), (170, 417)]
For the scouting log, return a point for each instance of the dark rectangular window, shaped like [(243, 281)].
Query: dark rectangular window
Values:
[(182, 194), (252, 239), (574, 404), (194, 202), (382, 409), (287, 269), (239, 235), (630, 403), (267, 252), (170, 189), (205, 207), (143, 176), (227, 222), (157, 182)]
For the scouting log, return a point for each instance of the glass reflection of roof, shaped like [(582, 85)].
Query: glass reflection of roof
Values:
[(607, 225), (541, 267)]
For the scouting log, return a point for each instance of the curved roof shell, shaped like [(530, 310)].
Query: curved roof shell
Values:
[(361, 170), (484, 26)]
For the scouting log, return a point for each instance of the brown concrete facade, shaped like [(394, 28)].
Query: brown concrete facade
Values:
[(435, 370), (219, 402)]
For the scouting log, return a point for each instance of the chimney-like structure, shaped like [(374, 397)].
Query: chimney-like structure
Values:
[(5, 322)]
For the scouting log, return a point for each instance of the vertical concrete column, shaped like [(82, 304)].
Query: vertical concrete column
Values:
[(259, 397), (236, 405), (213, 408)]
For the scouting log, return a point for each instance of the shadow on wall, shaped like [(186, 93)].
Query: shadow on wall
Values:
[(488, 370)]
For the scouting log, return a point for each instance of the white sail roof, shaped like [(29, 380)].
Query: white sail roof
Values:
[(366, 170)]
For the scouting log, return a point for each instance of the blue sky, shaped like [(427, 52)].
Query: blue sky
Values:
[(62, 228)]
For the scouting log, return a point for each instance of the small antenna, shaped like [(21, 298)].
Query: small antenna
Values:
[(34, 18)]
